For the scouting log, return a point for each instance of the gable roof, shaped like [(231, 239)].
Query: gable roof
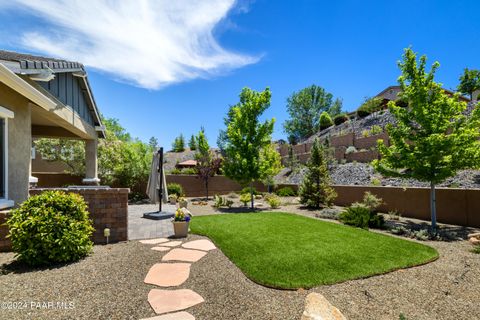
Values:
[(43, 69), (397, 87)]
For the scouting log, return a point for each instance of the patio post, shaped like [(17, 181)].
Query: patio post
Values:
[(91, 163)]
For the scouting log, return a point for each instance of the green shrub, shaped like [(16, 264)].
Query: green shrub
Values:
[(350, 149), (175, 188), (376, 130), (245, 198), (175, 171), (246, 190), (340, 118), (369, 106), (52, 227), (359, 215), (325, 120), (286, 192), (375, 182), (371, 201), (273, 201), (222, 202), (189, 171)]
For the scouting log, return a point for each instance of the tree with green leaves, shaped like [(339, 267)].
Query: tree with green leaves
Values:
[(315, 190), (469, 82), (245, 136), (305, 108), (179, 144), (292, 159), (208, 163), (68, 151), (432, 138), (270, 165), (153, 143), (192, 144)]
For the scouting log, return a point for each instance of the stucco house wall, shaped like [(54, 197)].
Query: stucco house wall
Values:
[(19, 143)]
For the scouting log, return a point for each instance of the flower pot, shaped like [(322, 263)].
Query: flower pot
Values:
[(173, 201), (180, 228)]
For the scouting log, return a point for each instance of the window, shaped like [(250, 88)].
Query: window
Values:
[(5, 114)]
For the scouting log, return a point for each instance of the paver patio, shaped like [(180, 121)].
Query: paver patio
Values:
[(142, 228)]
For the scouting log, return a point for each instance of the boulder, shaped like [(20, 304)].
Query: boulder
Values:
[(318, 308)]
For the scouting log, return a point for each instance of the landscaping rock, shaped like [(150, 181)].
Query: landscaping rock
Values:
[(184, 255), (168, 274), (318, 308), (204, 245)]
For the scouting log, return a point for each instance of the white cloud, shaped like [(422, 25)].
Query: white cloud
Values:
[(148, 43)]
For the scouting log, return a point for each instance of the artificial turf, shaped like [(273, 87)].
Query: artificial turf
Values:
[(289, 251)]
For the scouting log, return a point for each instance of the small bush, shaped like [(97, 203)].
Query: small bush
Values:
[(246, 190), (273, 201), (394, 215), (350, 149), (325, 121), (359, 215), (189, 171), (245, 198), (366, 133), (476, 249), (371, 201), (376, 130), (175, 188), (52, 227), (286, 192), (222, 202), (175, 171), (375, 182), (340, 118)]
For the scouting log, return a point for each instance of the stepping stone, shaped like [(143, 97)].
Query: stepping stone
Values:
[(205, 245), (163, 301), (184, 255), (161, 248), (154, 241), (182, 315), (172, 244), (168, 274)]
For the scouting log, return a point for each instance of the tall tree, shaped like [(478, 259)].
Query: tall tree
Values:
[(315, 189), (432, 138), (245, 136), (305, 107), (207, 163), (469, 82), (270, 165), (67, 151), (179, 144), (153, 143), (192, 144)]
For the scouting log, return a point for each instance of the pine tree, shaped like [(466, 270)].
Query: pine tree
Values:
[(315, 190), (192, 144)]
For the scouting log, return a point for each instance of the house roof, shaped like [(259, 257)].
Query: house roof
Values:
[(188, 163), (28, 61), (35, 67), (450, 92)]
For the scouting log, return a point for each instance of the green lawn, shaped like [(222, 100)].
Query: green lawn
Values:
[(289, 251)]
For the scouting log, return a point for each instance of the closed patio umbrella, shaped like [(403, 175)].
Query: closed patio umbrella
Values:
[(153, 184)]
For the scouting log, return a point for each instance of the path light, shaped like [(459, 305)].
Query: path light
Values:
[(106, 232)]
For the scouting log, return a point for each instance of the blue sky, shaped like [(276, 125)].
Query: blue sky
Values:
[(181, 74)]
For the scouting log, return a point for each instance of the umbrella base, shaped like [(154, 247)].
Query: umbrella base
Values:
[(158, 215)]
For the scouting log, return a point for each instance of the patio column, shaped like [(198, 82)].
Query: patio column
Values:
[(91, 165)]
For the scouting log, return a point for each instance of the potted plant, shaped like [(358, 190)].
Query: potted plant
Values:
[(180, 222), (182, 202), (172, 198)]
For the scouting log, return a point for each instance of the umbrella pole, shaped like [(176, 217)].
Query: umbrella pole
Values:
[(160, 170)]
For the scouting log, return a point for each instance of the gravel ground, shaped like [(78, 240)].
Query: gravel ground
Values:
[(109, 285)]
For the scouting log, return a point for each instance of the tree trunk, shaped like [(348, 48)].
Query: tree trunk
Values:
[(251, 195), (433, 207)]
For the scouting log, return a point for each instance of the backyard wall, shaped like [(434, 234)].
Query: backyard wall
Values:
[(454, 206), (193, 186)]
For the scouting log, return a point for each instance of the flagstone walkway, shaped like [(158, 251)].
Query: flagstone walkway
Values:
[(172, 271)]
